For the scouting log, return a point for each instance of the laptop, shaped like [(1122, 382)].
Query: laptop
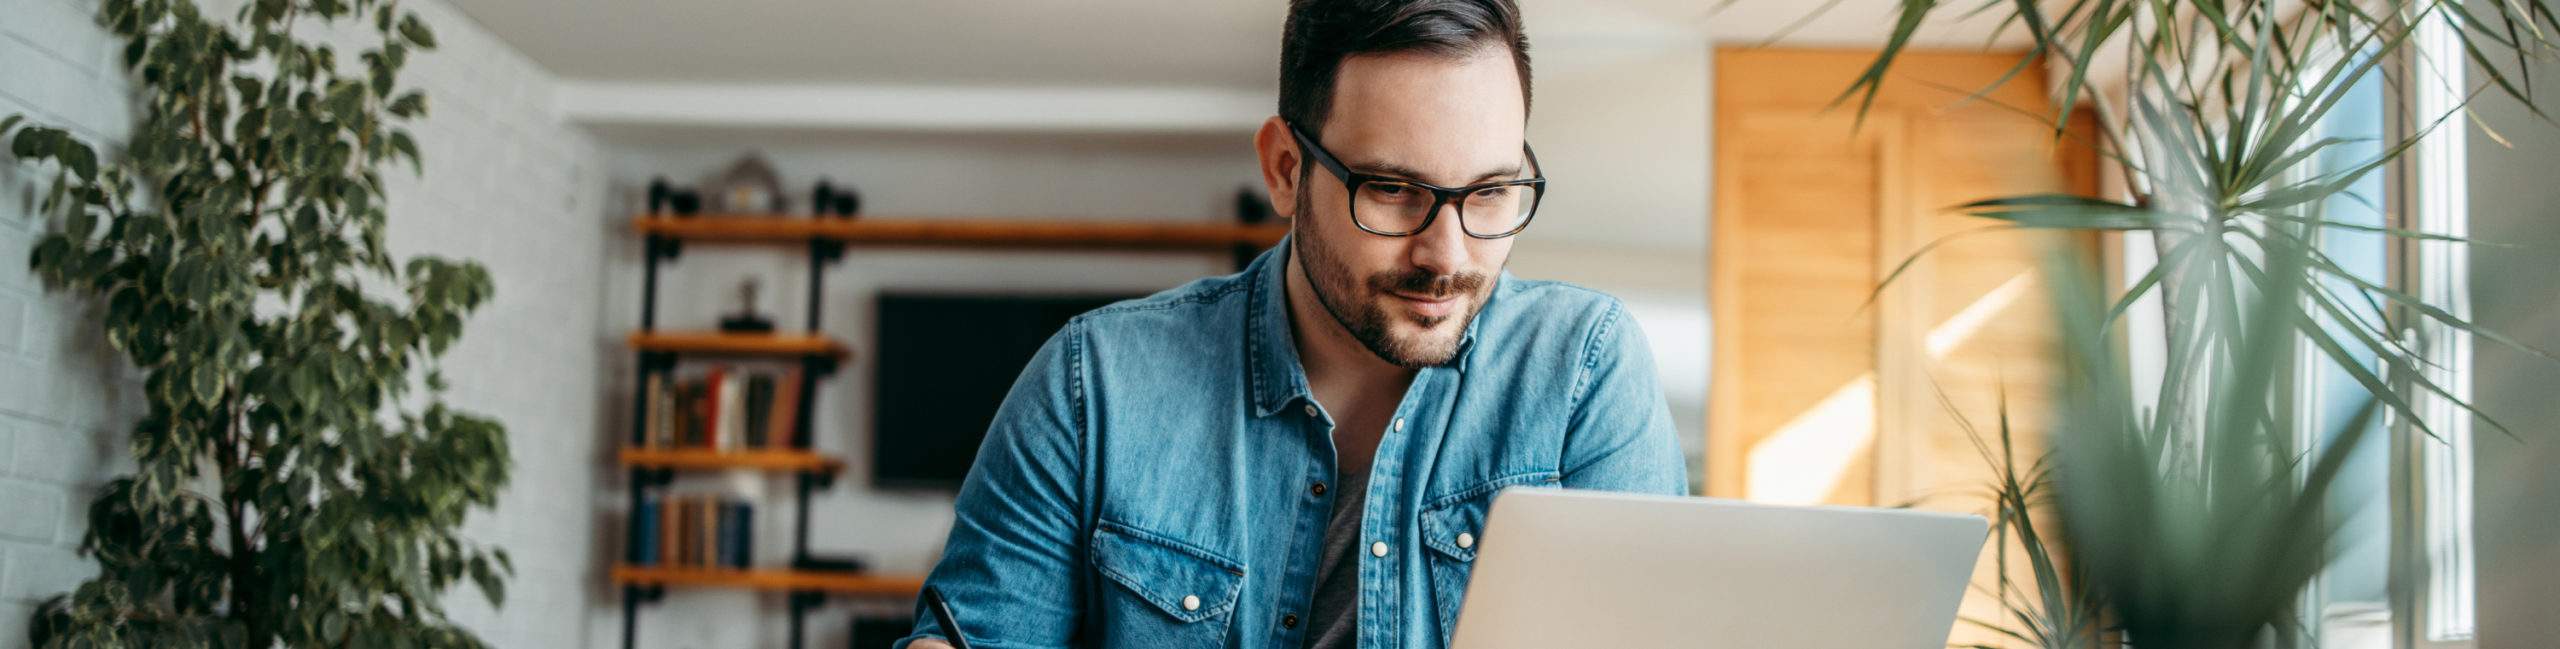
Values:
[(1560, 568)]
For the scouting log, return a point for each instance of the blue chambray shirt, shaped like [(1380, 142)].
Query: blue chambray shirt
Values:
[(1150, 481)]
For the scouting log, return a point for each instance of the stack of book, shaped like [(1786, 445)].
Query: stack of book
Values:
[(694, 531), (724, 409)]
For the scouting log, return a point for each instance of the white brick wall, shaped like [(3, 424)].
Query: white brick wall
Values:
[(506, 183)]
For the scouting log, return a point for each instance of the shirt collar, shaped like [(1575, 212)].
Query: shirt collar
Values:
[(1272, 370), (1272, 367)]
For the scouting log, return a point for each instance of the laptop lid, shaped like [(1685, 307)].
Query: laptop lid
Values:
[(1560, 568)]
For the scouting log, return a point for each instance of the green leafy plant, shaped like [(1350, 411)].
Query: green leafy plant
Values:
[(2193, 528), (2198, 527), (2055, 611), (2225, 102), (292, 486), (2190, 519)]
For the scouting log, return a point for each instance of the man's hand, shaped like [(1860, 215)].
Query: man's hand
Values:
[(928, 643)]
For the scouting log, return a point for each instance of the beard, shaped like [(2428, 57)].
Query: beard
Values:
[(1360, 304)]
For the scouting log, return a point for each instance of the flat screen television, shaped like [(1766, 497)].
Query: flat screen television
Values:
[(945, 362)]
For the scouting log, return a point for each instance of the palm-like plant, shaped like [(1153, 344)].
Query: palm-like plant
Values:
[(2197, 528), (2053, 611), (2223, 105), (2191, 518)]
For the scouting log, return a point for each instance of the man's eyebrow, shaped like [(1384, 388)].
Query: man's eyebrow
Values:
[(1402, 172)]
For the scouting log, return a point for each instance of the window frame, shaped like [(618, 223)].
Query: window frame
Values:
[(2434, 536)]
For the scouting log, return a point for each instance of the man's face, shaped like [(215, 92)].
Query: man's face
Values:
[(1445, 121)]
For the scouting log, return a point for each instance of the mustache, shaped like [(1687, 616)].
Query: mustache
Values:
[(1423, 282)]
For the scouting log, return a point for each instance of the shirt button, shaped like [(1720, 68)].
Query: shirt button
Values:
[(1317, 489), (1311, 410), (1191, 602), (1289, 621), (1399, 424), (1466, 540), (1378, 549)]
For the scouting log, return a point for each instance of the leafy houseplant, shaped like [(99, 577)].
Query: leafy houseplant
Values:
[(292, 487), (2190, 519)]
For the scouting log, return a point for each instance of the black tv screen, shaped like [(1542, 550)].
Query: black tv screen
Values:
[(945, 362)]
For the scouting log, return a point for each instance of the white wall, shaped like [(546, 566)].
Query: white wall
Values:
[(64, 396), (2517, 511), (505, 183)]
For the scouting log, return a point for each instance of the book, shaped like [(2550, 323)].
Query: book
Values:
[(707, 526), (649, 398), (644, 519), (783, 427), (693, 410), (671, 517), (670, 414), (746, 539), (716, 408), (733, 411), (759, 409), (724, 533)]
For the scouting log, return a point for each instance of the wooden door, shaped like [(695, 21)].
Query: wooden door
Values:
[(1825, 390)]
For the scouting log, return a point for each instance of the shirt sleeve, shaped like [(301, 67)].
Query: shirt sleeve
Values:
[(1008, 569), (1620, 436)]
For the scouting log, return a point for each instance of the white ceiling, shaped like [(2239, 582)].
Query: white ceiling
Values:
[(1220, 43)]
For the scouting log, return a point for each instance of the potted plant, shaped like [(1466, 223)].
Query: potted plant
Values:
[(292, 484), (2190, 518)]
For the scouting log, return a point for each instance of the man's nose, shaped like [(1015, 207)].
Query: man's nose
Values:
[(1441, 248)]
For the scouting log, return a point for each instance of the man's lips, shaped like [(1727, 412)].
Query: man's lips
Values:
[(1428, 306)]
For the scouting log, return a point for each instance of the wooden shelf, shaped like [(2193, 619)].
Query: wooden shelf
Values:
[(776, 579), (716, 342), (955, 232), (704, 459)]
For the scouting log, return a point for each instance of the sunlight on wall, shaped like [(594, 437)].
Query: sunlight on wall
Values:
[(1802, 461)]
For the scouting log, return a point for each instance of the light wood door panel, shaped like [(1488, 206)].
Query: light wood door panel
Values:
[(1826, 390), (1804, 222)]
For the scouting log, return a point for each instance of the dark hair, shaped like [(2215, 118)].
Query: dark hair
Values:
[(1321, 33)]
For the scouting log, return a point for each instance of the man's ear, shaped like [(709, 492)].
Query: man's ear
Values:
[(1278, 153)]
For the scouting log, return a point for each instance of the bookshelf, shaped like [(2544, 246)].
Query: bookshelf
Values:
[(824, 240), (963, 232), (897, 586), (737, 344), (652, 460), (710, 460)]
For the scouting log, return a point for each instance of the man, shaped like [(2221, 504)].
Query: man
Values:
[(1301, 454)]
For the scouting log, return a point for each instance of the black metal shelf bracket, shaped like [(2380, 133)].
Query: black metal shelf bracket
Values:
[(826, 252), (662, 247)]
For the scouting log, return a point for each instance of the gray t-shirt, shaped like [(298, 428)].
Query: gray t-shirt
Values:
[(1333, 619)]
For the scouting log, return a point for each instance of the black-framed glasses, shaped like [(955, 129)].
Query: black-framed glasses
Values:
[(1397, 207)]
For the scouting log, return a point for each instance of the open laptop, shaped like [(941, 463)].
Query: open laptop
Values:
[(1563, 568)]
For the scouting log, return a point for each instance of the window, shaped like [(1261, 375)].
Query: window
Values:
[(2350, 603), (2404, 502), (2433, 509)]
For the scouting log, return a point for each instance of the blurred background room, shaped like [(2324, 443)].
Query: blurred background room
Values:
[(792, 210)]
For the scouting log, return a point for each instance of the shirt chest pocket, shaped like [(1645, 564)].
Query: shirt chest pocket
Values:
[(1450, 526), (1163, 592)]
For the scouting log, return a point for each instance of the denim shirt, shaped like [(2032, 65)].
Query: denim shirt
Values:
[(1157, 476)]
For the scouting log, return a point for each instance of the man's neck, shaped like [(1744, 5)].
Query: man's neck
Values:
[(1337, 365)]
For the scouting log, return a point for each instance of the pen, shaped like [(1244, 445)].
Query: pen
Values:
[(942, 615)]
